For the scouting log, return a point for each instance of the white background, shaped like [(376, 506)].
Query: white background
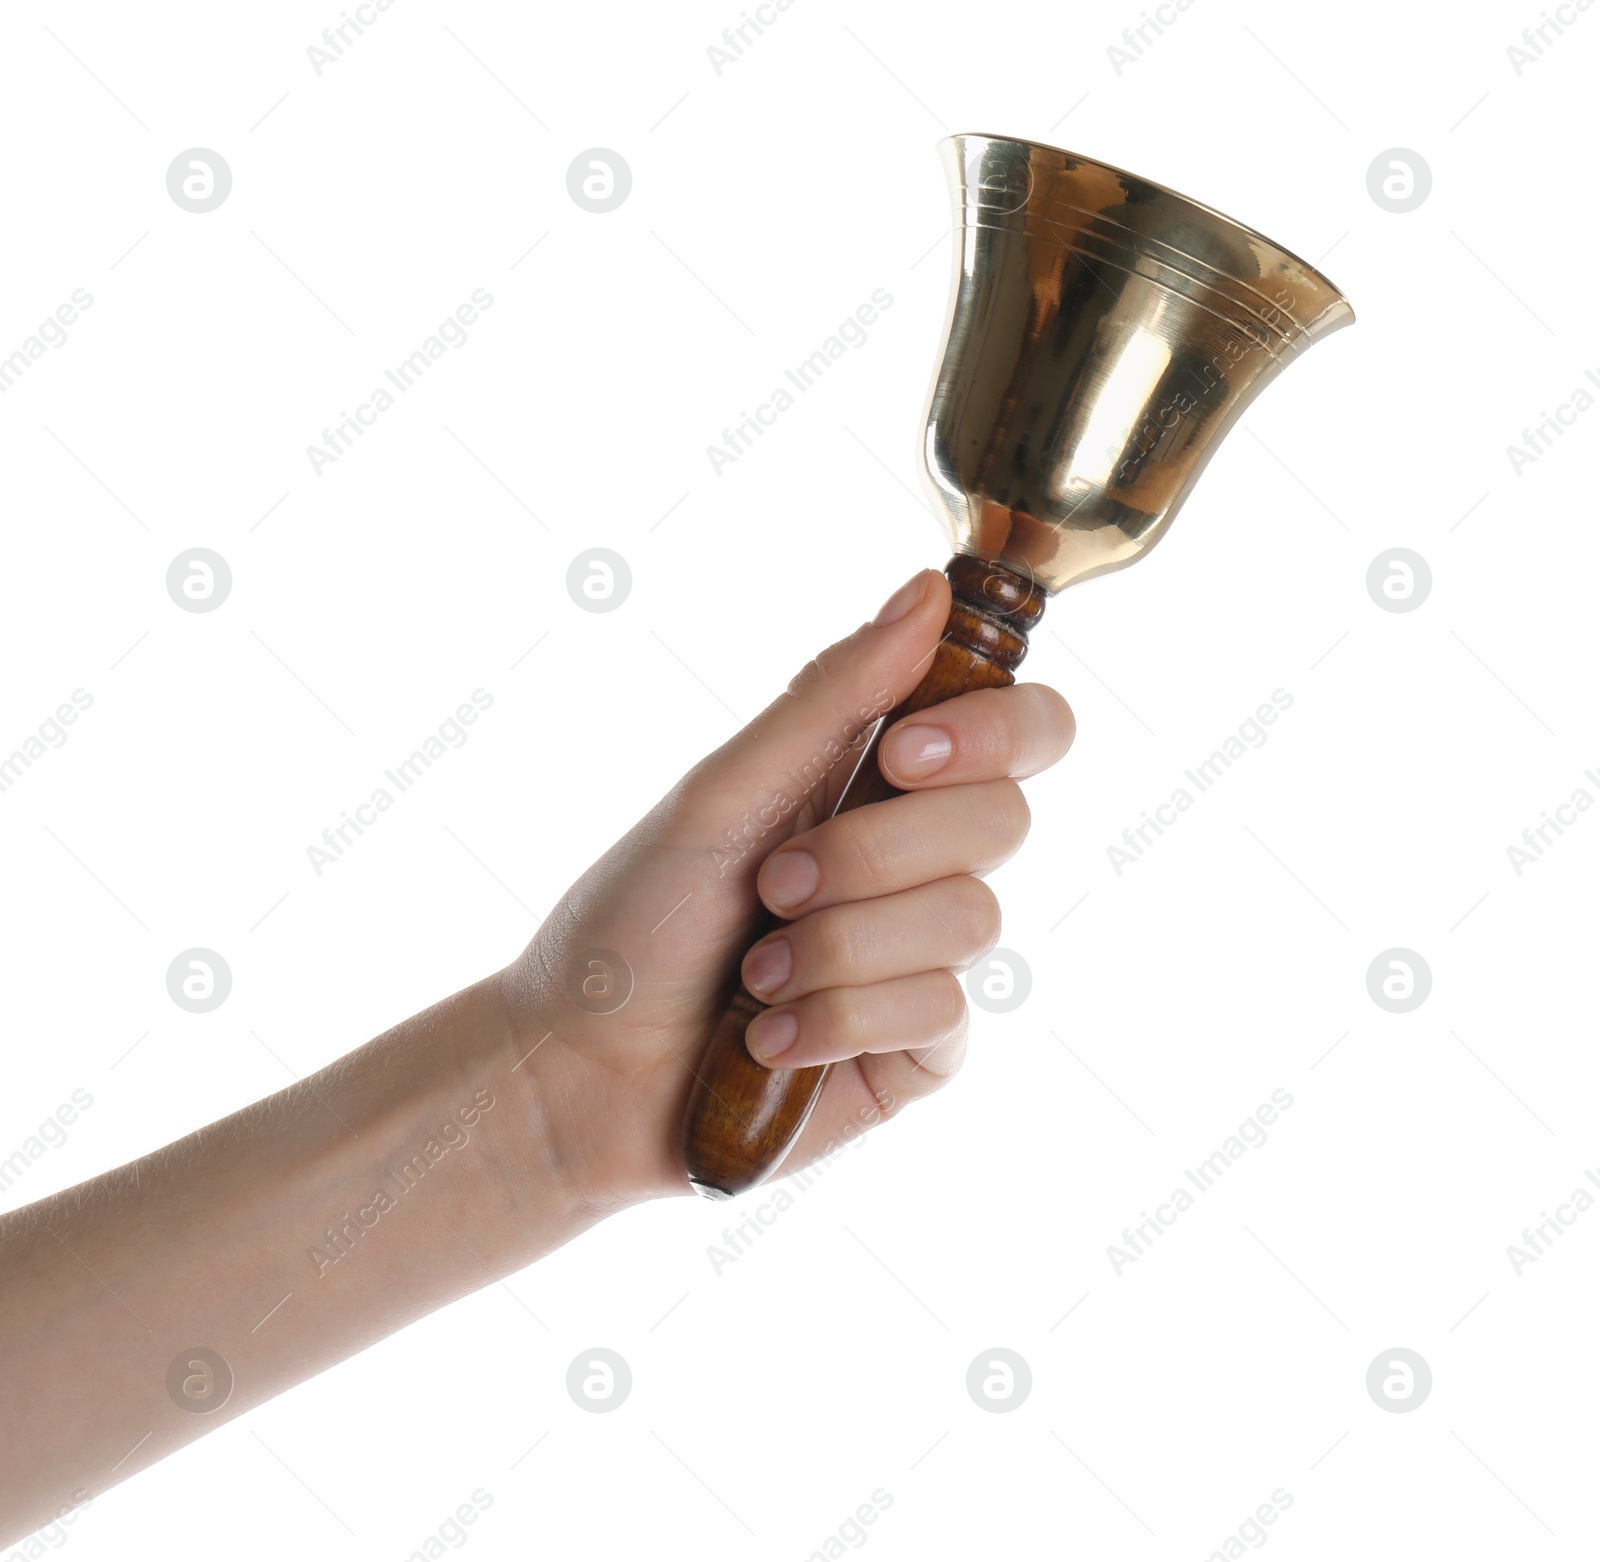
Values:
[(768, 202)]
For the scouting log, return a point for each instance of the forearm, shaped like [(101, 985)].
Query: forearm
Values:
[(283, 1239)]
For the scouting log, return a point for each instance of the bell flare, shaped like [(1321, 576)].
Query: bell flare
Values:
[(1104, 333)]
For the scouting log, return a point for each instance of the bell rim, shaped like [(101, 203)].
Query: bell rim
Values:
[(1336, 312)]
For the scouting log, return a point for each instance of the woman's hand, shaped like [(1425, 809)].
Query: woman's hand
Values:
[(884, 905), (474, 1137)]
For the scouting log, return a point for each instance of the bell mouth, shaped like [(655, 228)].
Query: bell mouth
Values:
[(1110, 217)]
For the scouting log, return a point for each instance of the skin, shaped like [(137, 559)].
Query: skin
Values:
[(506, 1119)]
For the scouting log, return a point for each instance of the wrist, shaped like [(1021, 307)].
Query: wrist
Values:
[(591, 1120), (529, 1192), (435, 1117)]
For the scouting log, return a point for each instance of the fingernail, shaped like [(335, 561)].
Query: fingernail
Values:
[(767, 966), (915, 753), (788, 878), (903, 600), (770, 1035)]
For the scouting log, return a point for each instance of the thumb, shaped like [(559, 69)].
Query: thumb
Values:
[(796, 742)]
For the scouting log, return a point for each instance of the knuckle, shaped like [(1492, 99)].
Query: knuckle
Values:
[(885, 1087), (836, 1014), (896, 1083), (979, 910), (807, 679), (1050, 702), (941, 1062), (831, 946), (821, 668), (1052, 696), (852, 853), (1050, 725), (1011, 817), (949, 1003)]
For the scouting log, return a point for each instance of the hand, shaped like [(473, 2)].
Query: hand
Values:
[(884, 905), (572, 1112)]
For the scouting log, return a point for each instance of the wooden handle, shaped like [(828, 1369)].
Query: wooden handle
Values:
[(743, 1117)]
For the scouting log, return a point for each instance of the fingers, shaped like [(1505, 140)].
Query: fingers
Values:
[(947, 923), (877, 1085), (895, 845), (837, 697), (1017, 731), (909, 1012), (963, 812)]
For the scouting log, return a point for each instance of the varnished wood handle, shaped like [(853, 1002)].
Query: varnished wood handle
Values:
[(743, 1117)]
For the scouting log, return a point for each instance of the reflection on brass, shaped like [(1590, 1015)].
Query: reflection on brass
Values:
[(1104, 334)]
